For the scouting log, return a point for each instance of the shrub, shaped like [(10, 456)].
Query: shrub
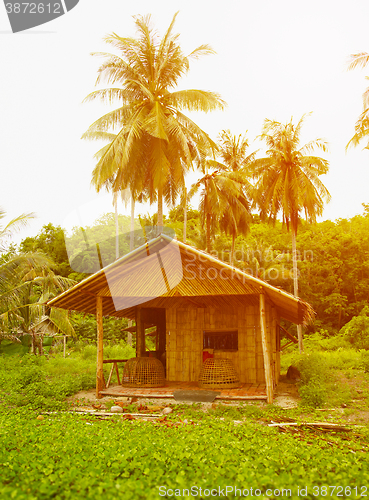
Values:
[(313, 394), (364, 361), (322, 341), (119, 351), (319, 384), (89, 352), (315, 376), (313, 367), (356, 331)]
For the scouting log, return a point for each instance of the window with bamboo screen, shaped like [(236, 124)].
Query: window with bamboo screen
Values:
[(221, 340)]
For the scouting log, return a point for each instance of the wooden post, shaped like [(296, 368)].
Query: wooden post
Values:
[(100, 348), (140, 334), (276, 341), (64, 345), (299, 336), (266, 354)]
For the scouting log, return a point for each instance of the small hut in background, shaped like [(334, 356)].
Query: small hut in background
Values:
[(200, 307)]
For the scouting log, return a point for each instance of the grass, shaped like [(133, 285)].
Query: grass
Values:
[(45, 382)]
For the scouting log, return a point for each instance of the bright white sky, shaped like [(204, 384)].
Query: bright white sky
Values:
[(275, 59)]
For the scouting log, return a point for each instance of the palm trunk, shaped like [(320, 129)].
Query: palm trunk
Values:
[(294, 265), (232, 248), (207, 217), (116, 229), (208, 242), (131, 238), (160, 210), (185, 216), (296, 285), (131, 247)]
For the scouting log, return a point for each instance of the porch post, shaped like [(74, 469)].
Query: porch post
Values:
[(100, 385), (140, 334), (266, 354)]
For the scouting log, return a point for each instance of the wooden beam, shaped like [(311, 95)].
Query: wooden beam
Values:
[(289, 335), (140, 334), (266, 354), (100, 385)]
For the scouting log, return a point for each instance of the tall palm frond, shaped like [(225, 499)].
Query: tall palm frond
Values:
[(13, 226), (360, 59)]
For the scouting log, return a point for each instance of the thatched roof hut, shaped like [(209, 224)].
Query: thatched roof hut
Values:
[(192, 296)]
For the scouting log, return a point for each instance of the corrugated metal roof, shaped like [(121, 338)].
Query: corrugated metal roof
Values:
[(167, 273)]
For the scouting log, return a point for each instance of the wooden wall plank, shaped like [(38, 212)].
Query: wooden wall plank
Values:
[(185, 328)]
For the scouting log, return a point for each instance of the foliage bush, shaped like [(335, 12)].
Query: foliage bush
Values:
[(364, 361), (319, 383), (118, 350), (356, 331), (313, 367), (45, 382), (314, 394), (38, 382), (85, 328), (324, 341)]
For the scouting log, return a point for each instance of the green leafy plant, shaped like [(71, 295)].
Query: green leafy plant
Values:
[(356, 331), (69, 456)]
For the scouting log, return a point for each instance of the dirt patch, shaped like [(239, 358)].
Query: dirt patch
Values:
[(286, 394), (89, 396)]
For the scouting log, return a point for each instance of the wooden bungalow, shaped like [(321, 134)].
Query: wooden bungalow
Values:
[(197, 303)]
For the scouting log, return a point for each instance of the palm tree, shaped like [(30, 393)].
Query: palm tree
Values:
[(26, 283), (222, 203), (156, 142), (233, 153), (237, 218), (288, 181), (226, 194), (362, 124)]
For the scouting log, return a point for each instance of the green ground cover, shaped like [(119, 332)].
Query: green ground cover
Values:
[(71, 456)]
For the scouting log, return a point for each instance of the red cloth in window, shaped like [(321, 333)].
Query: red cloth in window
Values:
[(206, 355)]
